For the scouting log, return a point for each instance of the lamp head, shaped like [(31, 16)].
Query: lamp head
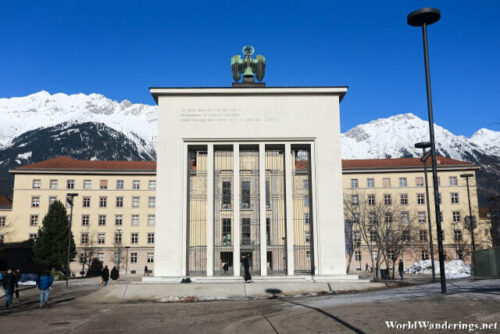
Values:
[(423, 16), (423, 145), (466, 175)]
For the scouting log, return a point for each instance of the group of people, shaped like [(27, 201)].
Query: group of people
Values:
[(401, 268), (10, 283)]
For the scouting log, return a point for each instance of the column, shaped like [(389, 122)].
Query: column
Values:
[(210, 209), (236, 210), (289, 210), (262, 201)]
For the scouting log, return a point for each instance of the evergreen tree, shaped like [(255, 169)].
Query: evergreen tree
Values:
[(51, 245)]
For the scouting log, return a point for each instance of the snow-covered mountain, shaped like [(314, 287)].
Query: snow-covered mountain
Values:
[(40, 110)]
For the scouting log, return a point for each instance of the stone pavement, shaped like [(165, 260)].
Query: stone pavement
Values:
[(80, 309)]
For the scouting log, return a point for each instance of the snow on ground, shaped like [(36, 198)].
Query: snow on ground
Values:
[(27, 283), (453, 269)]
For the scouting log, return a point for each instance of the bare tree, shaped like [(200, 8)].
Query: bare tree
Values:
[(88, 249), (118, 249), (459, 241)]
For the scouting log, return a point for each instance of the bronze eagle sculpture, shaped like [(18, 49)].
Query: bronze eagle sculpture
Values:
[(248, 66)]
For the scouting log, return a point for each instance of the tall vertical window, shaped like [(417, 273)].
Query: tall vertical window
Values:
[(306, 201), (87, 184), (456, 216), (245, 231), (425, 255), (101, 238), (85, 220), (355, 199), (405, 217), (84, 238), (402, 182), (151, 238), (86, 202), (421, 217), (151, 220), (268, 231), (307, 218), (423, 235), (103, 184), (403, 199), (136, 184), (118, 220), (453, 181), (135, 220), (454, 198), (102, 220), (371, 199), (33, 220), (35, 201), (268, 194), (53, 184), (3, 220), (357, 255), (119, 201), (457, 235), (70, 184), (100, 257), (387, 199), (370, 182), (152, 184), (135, 201), (419, 181), (52, 199), (119, 184), (37, 184), (151, 201), (386, 182), (134, 238), (226, 194), (133, 257), (420, 199), (103, 201), (118, 237), (151, 257), (354, 183), (226, 231)]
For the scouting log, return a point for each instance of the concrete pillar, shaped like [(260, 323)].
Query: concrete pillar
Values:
[(289, 210), (236, 210), (210, 210), (262, 215)]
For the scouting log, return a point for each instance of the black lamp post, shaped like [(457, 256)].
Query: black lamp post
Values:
[(471, 220), (425, 156), (70, 200), (422, 18)]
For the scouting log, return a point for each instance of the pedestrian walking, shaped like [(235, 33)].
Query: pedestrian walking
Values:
[(146, 271), (366, 268), (246, 266), (44, 282), (401, 269), (105, 275), (114, 274), (18, 278), (9, 284)]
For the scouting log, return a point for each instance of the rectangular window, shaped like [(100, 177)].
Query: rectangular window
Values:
[(86, 202), (103, 201), (390, 254), (119, 184), (85, 220), (405, 217), (357, 238), (136, 184), (268, 194), (151, 201), (370, 182), (423, 235), (103, 184), (454, 198), (308, 237), (35, 201), (453, 181), (268, 231), (100, 257), (245, 231), (387, 199), (355, 199), (425, 255), (403, 199), (245, 195), (456, 216), (357, 255), (306, 184), (386, 182), (307, 218), (33, 220), (419, 181), (226, 231), (151, 238), (151, 257), (135, 220), (70, 184), (84, 238), (119, 201), (37, 183), (135, 201), (308, 256), (421, 217), (354, 183), (118, 220), (420, 199), (87, 184), (118, 237), (133, 257), (151, 220), (102, 220), (457, 235), (33, 236), (371, 199), (52, 199), (226, 194), (388, 217), (134, 238), (53, 184), (101, 238), (3, 221), (306, 201), (402, 182), (373, 236), (372, 217), (152, 185), (406, 235)]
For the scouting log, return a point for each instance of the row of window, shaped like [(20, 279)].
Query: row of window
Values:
[(403, 199), (102, 219), (133, 257), (103, 201), (405, 217), (87, 184), (422, 236), (390, 254), (403, 182), (101, 238)]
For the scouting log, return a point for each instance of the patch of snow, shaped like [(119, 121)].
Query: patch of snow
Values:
[(24, 156), (453, 269), (27, 283)]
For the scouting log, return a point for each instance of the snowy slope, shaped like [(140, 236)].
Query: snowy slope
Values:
[(41, 110)]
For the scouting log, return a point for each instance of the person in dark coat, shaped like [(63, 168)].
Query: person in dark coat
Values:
[(401, 268), (9, 284), (18, 278), (146, 271), (105, 275), (44, 282), (114, 274), (246, 266)]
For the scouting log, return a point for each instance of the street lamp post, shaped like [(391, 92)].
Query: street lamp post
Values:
[(70, 199), (422, 18), (126, 260), (425, 156), (471, 221)]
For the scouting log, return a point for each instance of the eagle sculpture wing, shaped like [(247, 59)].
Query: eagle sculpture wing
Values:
[(237, 67), (259, 66)]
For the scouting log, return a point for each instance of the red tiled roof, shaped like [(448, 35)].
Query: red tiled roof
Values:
[(65, 162), (399, 163)]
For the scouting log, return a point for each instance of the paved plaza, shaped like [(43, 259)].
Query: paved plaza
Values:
[(80, 309)]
